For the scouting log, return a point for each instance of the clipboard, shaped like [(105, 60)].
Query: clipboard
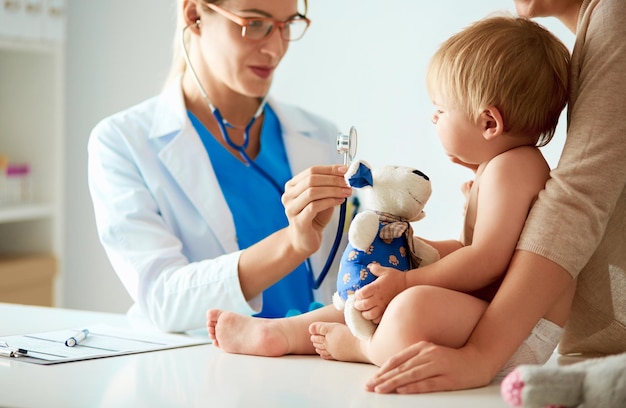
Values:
[(103, 341)]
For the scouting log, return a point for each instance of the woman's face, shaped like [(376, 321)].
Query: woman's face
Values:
[(244, 66), (544, 8)]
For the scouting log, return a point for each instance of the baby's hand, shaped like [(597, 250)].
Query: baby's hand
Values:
[(465, 189), (372, 300)]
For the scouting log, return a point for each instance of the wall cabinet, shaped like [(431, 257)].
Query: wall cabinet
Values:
[(32, 128)]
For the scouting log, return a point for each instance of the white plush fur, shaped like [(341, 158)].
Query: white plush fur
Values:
[(396, 190)]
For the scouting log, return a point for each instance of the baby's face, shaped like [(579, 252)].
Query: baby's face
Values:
[(458, 134)]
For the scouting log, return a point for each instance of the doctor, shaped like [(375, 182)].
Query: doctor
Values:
[(187, 224)]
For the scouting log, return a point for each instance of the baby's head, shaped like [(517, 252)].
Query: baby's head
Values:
[(508, 62)]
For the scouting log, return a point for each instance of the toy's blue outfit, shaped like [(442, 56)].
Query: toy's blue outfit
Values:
[(392, 247)]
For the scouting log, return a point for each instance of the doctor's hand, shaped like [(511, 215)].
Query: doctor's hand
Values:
[(372, 299), (427, 367), (310, 199)]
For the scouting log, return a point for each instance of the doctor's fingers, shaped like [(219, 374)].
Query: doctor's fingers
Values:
[(329, 169), (303, 211), (316, 189), (306, 228), (299, 197), (318, 176)]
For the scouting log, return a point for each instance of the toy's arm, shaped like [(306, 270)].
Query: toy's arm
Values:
[(363, 230), (425, 251), (443, 247)]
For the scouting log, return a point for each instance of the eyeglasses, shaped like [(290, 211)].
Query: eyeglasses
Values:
[(258, 28)]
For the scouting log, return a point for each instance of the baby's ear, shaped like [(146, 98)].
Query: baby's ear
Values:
[(491, 122), (359, 174)]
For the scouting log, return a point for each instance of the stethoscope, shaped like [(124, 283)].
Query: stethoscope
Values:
[(346, 145)]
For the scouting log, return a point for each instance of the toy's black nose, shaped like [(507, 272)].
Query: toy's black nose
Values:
[(419, 173)]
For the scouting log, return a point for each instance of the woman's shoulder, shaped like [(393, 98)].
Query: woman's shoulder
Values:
[(149, 120), (302, 119), (134, 117)]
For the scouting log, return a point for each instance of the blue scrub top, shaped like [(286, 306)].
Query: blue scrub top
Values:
[(256, 206)]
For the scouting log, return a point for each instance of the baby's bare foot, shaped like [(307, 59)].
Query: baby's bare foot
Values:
[(241, 334), (334, 341)]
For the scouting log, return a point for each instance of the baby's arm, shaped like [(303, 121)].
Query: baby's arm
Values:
[(509, 186)]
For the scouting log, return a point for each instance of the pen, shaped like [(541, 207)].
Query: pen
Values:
[(12, 352), (77, 338)]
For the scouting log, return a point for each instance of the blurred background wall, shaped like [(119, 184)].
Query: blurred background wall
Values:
[(361, 63)]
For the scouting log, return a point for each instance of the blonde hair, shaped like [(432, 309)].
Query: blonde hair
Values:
[(508, 62), (179, 65)]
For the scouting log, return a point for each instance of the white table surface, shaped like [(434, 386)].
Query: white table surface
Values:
[(194, 376)]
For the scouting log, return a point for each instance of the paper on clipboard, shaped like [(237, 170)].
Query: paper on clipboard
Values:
[(102, 341)]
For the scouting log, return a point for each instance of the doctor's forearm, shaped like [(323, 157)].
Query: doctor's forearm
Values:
[(266, 262)]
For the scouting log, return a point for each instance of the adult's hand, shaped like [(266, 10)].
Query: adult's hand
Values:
[(426, 367), (372, 299), (309, 200)]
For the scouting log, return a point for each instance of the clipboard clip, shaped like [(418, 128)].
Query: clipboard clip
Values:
[(8, 351)]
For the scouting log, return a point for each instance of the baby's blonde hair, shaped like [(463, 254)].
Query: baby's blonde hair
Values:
[(508, 62)]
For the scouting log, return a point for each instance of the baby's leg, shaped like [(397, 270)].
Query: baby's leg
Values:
[(424, 313), (241, 334), (334, 341), (429, 313)]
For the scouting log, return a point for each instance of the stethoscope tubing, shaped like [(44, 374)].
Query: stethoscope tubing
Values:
[(241, 149), (315, 283)]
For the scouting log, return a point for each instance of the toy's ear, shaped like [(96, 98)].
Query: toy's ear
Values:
[(360, 174)]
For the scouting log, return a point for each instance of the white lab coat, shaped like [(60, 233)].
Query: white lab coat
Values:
[(161, 215)]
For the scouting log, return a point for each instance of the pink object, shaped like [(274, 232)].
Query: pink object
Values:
[(511, 389), (17, 169)]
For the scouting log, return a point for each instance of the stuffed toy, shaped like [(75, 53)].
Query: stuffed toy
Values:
[(392, 197), (594, 383)]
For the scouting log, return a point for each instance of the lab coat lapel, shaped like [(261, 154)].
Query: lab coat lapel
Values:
[(302, 150), (187, 161), (185, 158)]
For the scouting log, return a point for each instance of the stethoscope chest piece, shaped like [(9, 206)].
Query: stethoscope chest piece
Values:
[(346, 145)]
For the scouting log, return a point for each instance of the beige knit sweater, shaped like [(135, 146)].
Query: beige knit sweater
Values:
[(579, 220)]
